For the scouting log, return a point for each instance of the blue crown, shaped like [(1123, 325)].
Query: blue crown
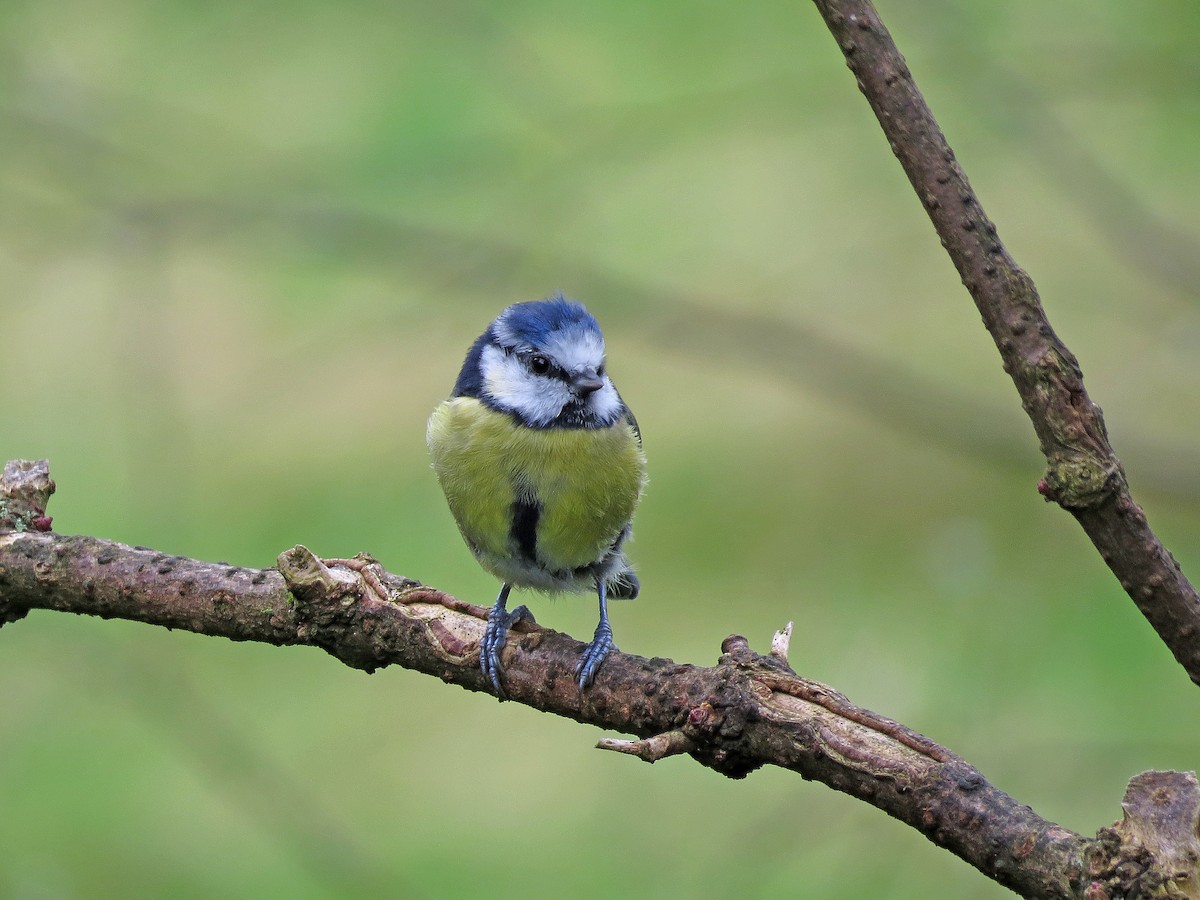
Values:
[(529, 324)]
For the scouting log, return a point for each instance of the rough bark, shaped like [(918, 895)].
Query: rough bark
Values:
[(748, 711)]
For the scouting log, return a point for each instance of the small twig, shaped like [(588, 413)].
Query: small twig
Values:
[(781, 643), (651, 749)]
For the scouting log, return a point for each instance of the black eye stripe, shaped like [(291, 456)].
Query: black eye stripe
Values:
[(544, 366), (540, 363)]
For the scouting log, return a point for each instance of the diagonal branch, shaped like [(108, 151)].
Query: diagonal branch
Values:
[(1083, 474), (747, 711)]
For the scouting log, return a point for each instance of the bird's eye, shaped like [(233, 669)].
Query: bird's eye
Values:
[(539, 364), (600, 370)]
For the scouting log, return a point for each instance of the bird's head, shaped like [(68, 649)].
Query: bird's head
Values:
[(543, 361)]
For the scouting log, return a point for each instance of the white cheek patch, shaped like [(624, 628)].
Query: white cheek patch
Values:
[(605, 404), (511, 386)]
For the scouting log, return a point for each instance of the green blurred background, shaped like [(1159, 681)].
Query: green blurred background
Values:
[(243, 248)]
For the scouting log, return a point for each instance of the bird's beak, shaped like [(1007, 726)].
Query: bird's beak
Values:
[(586, 382)]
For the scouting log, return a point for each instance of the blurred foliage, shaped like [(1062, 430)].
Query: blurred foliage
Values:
[(244, 247)]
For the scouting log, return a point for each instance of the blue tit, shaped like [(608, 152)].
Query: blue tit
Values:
[(541, 462)]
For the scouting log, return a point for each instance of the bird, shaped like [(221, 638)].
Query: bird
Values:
[(542, 466)]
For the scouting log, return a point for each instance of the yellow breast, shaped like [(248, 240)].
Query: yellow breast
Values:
[(584, 483)]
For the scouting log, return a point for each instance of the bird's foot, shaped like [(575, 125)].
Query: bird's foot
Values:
[(494, 635), (594, 654)]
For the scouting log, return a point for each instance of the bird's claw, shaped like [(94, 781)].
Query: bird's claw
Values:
[(593, 655), (494, 635)]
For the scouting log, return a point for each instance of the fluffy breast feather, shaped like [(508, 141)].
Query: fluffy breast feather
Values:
[(585, 484)]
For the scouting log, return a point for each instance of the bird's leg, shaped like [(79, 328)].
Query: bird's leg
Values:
[(498, 622), (602, 642)]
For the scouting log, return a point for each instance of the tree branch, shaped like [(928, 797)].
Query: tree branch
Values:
[(748, 711), (1083, 474)]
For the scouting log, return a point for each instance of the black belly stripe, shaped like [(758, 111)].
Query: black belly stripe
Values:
[(523, 530)]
